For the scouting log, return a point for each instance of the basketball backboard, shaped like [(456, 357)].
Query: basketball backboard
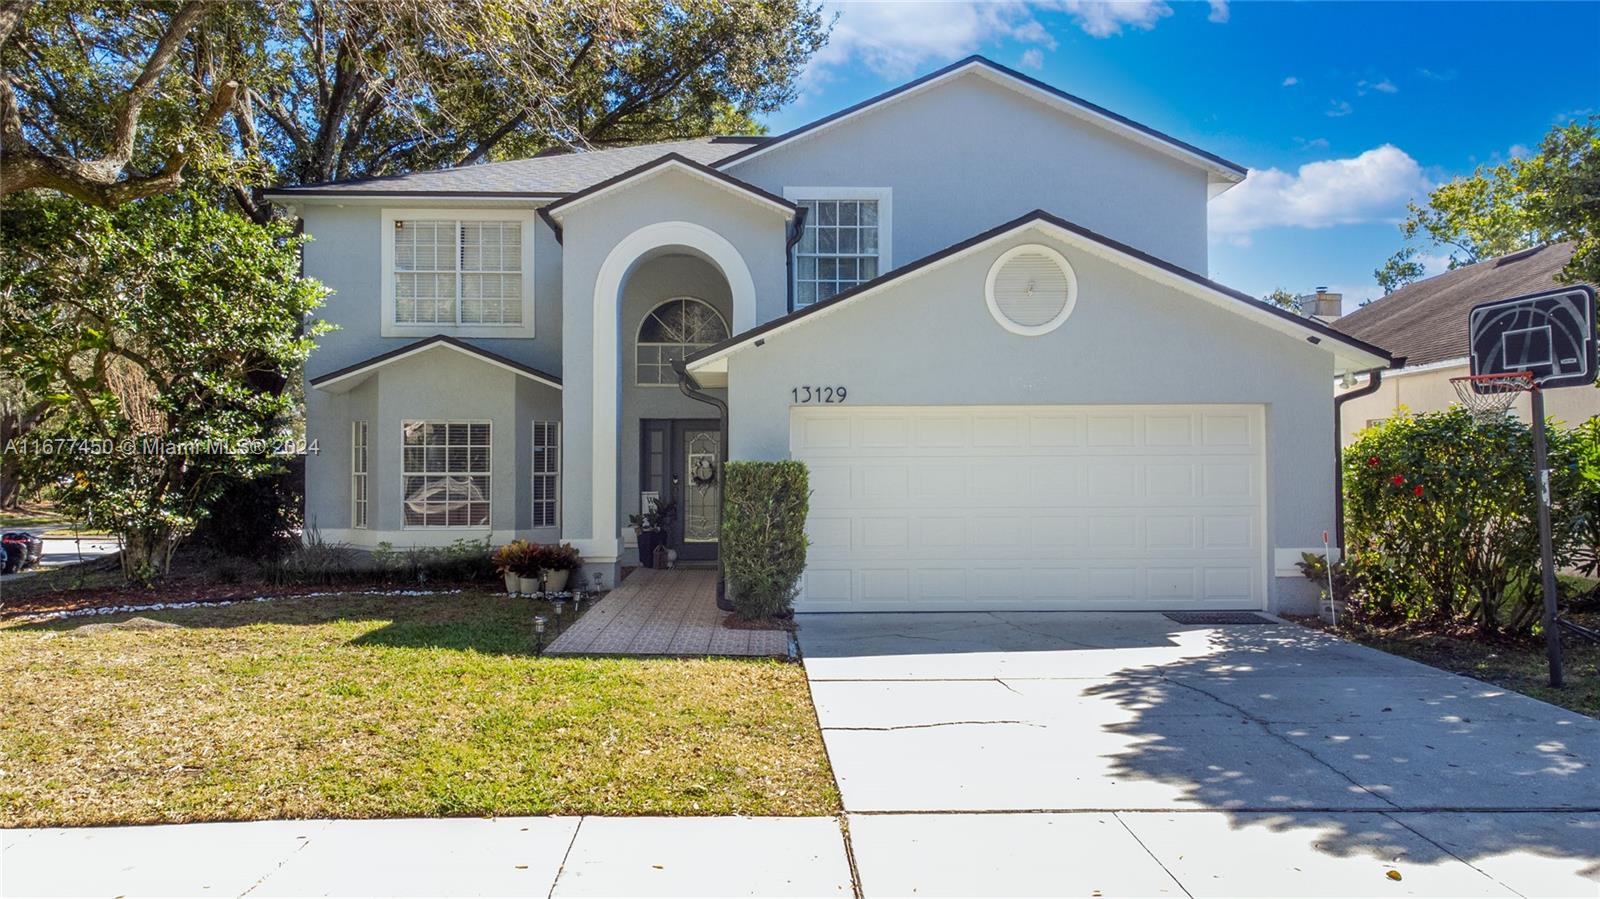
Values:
[(1549, 334)]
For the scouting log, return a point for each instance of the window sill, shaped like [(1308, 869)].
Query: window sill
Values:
[(390, 329)]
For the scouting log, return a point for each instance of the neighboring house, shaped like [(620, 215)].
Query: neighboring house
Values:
[(1001, 407), (1425, 324)]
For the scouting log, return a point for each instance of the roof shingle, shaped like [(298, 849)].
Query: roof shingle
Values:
[(554, 175), (1426, 322)]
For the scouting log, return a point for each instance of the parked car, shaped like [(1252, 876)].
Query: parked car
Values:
[(21, 549)]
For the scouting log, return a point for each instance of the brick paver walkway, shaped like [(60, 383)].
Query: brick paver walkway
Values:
[(665, 613)]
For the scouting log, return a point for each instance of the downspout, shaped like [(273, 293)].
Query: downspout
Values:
[(796, 230), (692, 390), (1373, 383)]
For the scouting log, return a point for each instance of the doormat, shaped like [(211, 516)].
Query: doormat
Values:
[(1219, 618)]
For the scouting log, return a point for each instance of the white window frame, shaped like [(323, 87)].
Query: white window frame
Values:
[(388, 327), (408, 473), (726, 330), (360, 469), (885, 198), (553, 454)]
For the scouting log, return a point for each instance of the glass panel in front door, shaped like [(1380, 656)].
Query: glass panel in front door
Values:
[(703, 475)]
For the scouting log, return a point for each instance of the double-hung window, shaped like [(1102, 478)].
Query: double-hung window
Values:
[(447, 473), (462, 273), (546, 474), (845, 241)]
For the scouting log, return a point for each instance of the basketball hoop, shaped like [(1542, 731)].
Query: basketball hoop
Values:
[(1489, 397)]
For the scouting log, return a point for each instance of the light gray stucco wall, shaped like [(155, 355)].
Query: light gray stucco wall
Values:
[(971, 154), (930, 340), (439, 385), (652, 283), (345, 254), (758, 234)]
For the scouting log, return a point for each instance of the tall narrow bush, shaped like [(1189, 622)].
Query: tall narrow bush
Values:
[(764, 535)]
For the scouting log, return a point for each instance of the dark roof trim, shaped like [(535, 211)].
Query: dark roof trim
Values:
[(425, 343), (290, 193), (1009, 73), (668, 159), (1039, 215)]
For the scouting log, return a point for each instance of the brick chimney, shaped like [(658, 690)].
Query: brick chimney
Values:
[(1322, 305)]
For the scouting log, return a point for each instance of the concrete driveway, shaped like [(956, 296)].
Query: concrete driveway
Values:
[(1051, 753)]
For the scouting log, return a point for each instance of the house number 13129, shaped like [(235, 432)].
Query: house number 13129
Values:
[(818, 394)]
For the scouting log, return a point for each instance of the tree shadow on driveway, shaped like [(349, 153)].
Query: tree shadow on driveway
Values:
[(1186, 731)]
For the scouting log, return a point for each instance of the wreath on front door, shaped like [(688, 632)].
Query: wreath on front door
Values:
[(703, 472)]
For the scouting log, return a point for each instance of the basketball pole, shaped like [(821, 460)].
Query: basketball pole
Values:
[(1547, 561)]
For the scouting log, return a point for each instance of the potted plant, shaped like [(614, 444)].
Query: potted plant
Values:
[(509, 560), (652, 527), (558, 563), (527, 568)]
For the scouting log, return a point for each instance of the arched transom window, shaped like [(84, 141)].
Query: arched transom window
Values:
[(672, 331)]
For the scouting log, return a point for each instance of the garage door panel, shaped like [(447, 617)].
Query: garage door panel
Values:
[(1033, 507)]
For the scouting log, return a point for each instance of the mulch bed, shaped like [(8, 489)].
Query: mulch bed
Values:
[(102, 597), (734, 623)]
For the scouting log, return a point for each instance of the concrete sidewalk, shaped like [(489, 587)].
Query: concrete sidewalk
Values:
[(434, 857)]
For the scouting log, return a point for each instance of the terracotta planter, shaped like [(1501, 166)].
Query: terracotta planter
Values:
[(556, 581), (528, 585)]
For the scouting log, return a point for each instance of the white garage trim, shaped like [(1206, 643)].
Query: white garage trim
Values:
[(927, 508)]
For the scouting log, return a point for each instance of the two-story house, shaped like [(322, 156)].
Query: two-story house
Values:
[(974, 305)]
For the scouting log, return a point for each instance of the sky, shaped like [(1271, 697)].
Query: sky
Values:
[(1343, 112)]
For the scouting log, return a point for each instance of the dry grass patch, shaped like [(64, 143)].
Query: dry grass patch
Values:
[(386, 706)]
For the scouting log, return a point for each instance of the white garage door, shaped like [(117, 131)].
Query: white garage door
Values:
[(1033, 507)]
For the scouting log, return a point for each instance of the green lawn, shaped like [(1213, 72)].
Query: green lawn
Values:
[(361, 706)]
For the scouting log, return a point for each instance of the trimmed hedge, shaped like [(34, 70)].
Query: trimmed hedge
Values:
[(764, 535)]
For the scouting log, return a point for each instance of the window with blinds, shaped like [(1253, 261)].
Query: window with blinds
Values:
[(447, 471), (838, 248), (458, 272), (546, 474)]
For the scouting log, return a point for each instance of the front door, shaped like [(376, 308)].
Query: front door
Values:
[(680, 461)]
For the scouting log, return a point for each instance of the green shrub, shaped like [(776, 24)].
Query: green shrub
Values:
[(1440, 518), (764, 535)]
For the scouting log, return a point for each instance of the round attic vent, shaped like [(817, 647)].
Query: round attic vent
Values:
[(1031, 290)]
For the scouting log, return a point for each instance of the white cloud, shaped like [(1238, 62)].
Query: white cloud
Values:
[(1032, 59), (1384, 86), (1219, 11), (1519, 151), (895, 39), (1432, 75), (1339, 109), (1291, 81), (1315, 143), (1104, 18), (1372, 187)]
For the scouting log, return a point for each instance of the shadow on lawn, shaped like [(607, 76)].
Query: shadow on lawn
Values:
[(473, 620)]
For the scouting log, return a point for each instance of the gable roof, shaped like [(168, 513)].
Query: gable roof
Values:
[(1426, 322), (553, 213), (1222, 171), (1351, 353), (537, 177), (345, 378)]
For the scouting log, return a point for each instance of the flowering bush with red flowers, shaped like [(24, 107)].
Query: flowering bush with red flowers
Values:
[(1440, 518)]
